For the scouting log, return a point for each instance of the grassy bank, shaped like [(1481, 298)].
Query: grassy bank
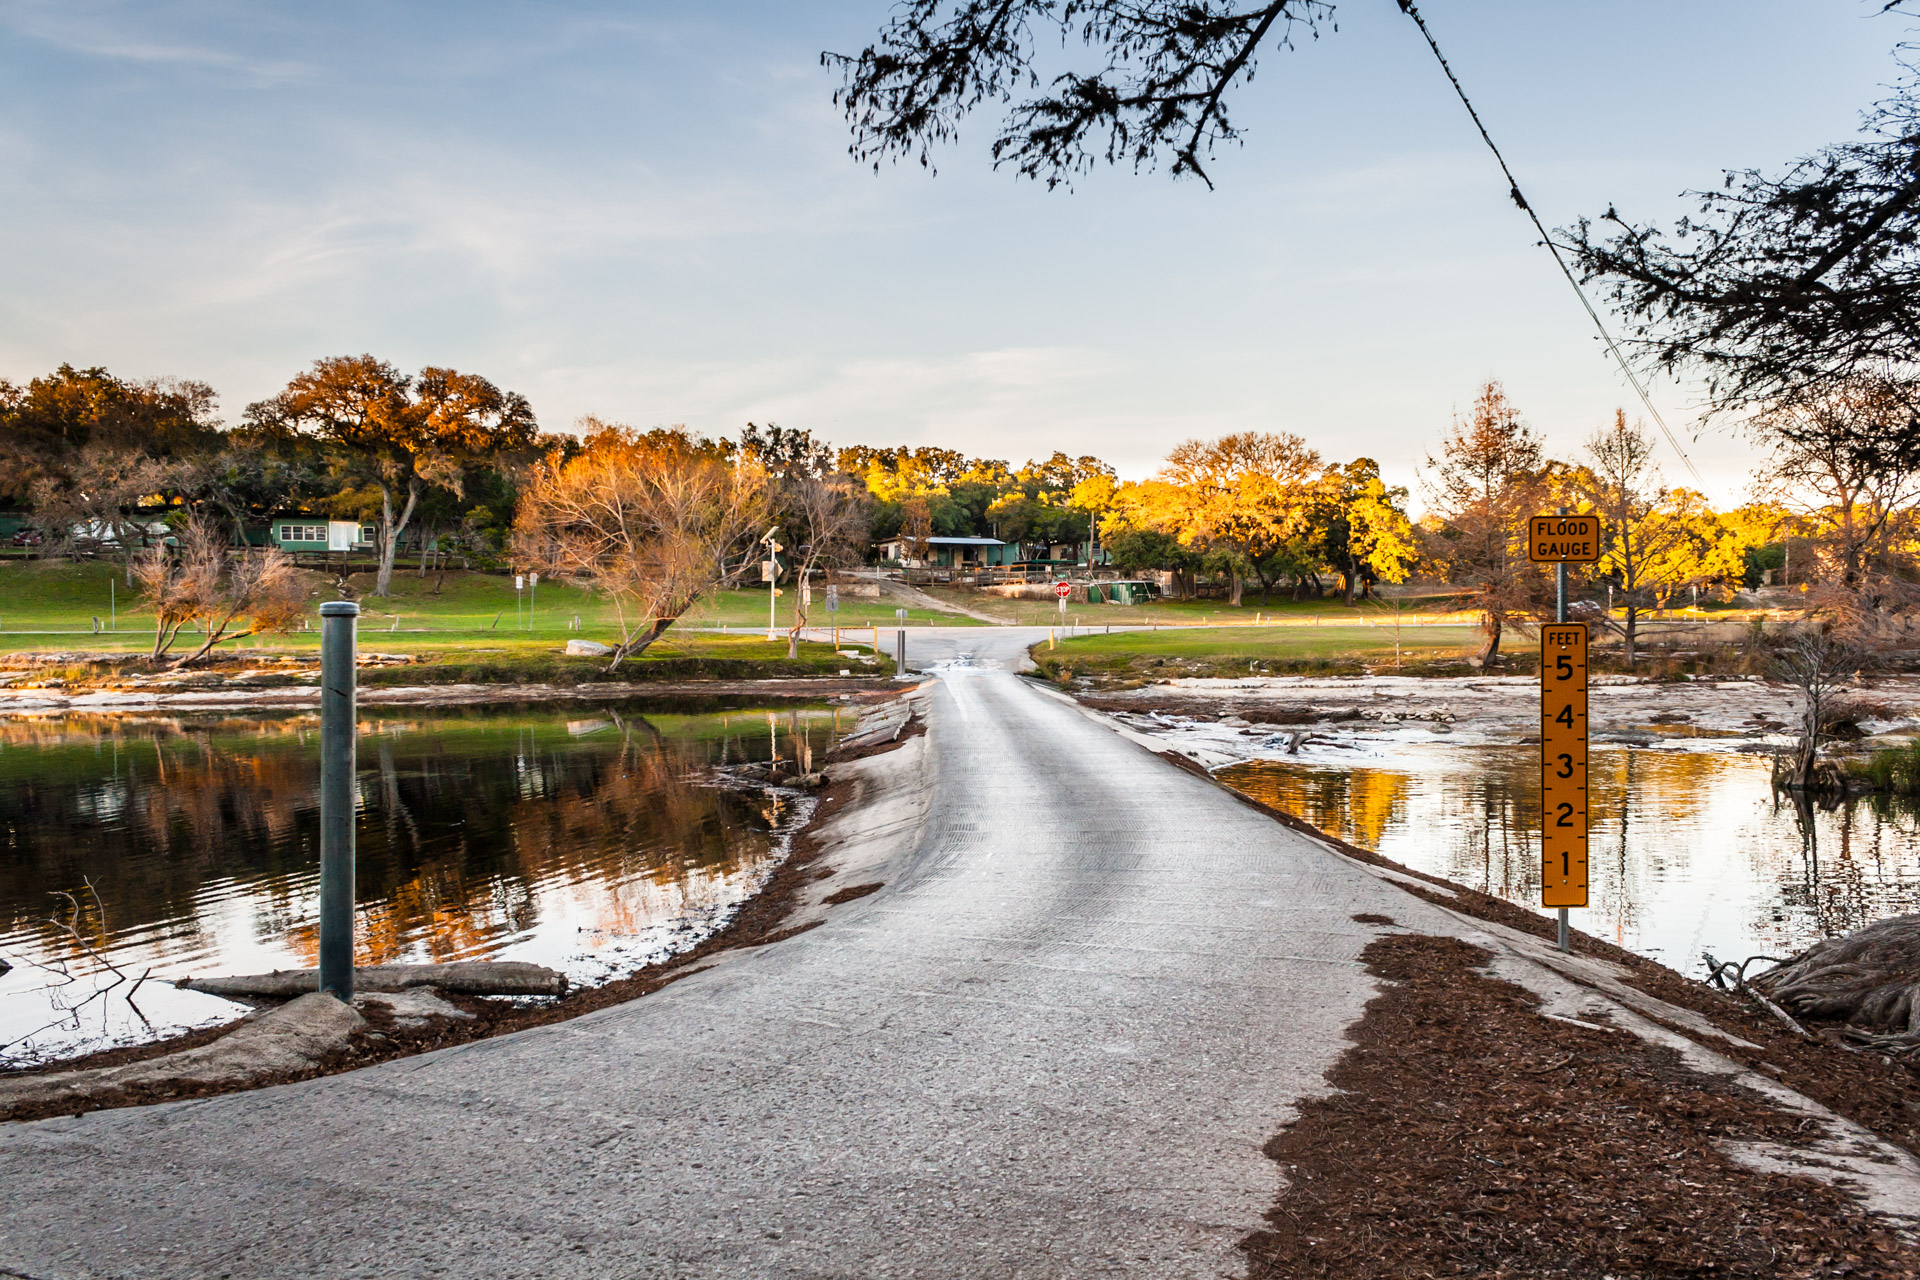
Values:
[(1329, 611), (1134, 657)]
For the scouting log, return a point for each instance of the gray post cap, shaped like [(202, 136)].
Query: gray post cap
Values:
[(339, 609)]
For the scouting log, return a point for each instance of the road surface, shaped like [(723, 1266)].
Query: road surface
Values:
[(1052, 1046)]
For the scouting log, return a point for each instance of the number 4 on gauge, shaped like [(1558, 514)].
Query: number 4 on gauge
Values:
[(1563, 765)]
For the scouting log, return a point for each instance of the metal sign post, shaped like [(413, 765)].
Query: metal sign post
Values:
[(336, 796), (770, 570), (1559, 540), (900, 643)]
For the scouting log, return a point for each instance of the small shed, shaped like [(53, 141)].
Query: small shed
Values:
[(315, 533), (1125, 592), (946, 553)]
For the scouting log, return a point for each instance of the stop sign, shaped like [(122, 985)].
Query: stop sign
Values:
[(1063, 589)]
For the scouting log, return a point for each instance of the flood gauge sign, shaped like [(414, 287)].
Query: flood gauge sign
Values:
[(1563, 539), (1563, 765)]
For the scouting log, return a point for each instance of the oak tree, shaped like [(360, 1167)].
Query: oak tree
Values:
[(399, 435)]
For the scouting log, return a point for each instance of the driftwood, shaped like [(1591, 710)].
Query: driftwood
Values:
[(469, 977), (1870, 979)]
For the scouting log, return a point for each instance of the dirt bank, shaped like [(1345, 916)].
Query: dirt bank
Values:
[(242, 697), (1471, 1134)]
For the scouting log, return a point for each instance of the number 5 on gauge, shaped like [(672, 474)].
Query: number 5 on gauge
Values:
[(1563, 766)]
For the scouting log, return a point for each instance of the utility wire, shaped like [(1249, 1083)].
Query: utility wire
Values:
[(1513, 190)]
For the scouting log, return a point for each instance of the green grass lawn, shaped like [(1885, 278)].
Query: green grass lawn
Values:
[(467, 630), (52, 604), (1240, 651)]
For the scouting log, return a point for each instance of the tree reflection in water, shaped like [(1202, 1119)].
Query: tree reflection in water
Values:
[(1691, 849), (534, 833)]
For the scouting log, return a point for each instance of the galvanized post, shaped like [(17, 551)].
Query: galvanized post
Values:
[(900, 644), (336, 796)]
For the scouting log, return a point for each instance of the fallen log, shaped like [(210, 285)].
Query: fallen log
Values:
[(1869, 979), (469, 977)]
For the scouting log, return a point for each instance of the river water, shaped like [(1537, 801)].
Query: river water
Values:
[(595, 841), (1691, 849)]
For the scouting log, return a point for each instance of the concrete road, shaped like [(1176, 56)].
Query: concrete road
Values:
[(1051, 1047)]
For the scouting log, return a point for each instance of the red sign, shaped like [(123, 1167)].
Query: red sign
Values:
[(1063, 589)]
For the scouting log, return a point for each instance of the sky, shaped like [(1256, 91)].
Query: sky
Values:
[(646, 212)]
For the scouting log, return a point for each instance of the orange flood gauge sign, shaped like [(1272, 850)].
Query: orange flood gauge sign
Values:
[(1563, 539), (1563, 765)]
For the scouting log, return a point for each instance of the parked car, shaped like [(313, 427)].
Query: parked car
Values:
[(28, 538)]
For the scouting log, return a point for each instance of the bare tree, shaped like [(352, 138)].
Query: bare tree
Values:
[(653, 520), (233, 592), (1646, 534), (829, 514), (103, 500), (1857, 501), (823, 511), (1484, 485), (1819, 663)]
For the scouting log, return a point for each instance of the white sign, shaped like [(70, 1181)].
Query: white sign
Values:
[(519, 582)]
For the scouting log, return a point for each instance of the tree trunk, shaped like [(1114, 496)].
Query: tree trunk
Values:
[(390, 531), (636, 645), (1632, 632), (426, 541), (1233, 576), (1490, 649)]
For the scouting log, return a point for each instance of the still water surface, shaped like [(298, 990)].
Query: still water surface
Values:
[(1691, 849), (591, 840)]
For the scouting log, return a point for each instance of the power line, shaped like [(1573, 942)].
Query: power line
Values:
[(1513, 190)]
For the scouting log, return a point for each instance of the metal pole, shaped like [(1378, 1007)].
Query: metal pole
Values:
[(900, 644), (336, 796), (1560, 615)]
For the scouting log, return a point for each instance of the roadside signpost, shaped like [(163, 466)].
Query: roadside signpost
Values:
[(1561, 540), (337, 731), (899, 643)]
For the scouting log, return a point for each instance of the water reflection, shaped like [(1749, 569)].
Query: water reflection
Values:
[(593, 843), (1691, 850)]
